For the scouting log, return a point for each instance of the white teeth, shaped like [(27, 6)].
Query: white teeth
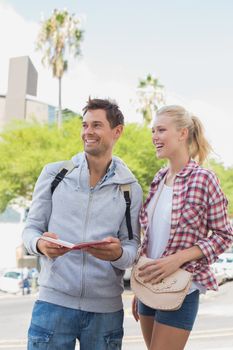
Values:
[(90, 141)]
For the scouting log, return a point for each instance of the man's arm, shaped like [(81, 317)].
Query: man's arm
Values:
[(38, 218)]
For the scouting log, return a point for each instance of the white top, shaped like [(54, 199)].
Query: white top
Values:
[(160, 223), (160, 226)]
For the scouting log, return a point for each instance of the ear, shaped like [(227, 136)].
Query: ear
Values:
[(184, 133), (118, 131)]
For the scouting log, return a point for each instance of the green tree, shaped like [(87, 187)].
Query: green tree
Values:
[(59, 36), (25, 149), (225, 176), (136, 149), (150, 96)]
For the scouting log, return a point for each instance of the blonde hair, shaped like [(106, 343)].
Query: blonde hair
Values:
[(199, 147)]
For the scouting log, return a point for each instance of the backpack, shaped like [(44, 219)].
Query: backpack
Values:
[(67, 168)]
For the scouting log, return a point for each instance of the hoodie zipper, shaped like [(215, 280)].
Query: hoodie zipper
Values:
[(84, 253)]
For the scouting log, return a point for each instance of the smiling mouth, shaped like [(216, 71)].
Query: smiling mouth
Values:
[(159, 147), (90, 142)]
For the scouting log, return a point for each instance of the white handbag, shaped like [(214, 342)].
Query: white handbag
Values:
[(168, 294)]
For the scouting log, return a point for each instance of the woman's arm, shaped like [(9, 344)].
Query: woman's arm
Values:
[(160, 268), (220, 232)]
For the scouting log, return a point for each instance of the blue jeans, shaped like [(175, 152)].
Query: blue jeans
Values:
[(55, 327)]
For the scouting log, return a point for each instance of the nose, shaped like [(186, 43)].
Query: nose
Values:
[(88, 130), (154, 136)]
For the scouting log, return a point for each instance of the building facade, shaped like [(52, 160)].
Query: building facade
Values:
[(16, 105)]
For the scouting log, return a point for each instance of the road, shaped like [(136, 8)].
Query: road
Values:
[(213, 329)]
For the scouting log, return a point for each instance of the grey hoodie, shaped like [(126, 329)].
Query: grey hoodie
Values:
[(79, 213)]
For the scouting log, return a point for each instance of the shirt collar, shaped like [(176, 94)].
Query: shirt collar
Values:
[(188, 168), (109, 173)]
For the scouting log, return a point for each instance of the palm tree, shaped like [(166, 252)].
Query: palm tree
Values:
[(59, 36), (151, 97)]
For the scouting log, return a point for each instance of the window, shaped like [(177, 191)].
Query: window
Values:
[(13, 274)]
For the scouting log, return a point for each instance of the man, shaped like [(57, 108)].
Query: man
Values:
[(25, 281), (80, 290)]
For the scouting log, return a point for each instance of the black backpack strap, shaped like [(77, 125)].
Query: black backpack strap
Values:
[(126, 191), (67, 167)]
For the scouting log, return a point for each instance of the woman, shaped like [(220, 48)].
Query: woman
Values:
[(188, 226)]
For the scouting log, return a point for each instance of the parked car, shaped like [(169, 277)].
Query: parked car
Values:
[(225, 260), (219, 273), (230, 250), (11, 281)]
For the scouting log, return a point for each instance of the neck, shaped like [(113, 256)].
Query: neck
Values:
[(175, 166), (97, 167)]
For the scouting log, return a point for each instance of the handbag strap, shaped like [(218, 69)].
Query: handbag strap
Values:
[(160, 188)]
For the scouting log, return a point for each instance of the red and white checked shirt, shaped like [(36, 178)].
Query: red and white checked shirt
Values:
[(199, 217)]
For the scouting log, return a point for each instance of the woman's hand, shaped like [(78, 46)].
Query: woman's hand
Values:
[(135, 308), (158, 269)]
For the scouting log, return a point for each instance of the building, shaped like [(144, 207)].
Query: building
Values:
[(16, 105)]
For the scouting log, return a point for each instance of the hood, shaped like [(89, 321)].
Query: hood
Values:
[(123, 174), (119, 173)]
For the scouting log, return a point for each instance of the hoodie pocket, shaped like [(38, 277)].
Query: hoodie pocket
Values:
[(105, 278), (65, 274)]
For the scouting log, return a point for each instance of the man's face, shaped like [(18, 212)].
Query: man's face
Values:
[(97, 135)]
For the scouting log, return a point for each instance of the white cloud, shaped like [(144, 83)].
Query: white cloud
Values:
[(18, 39), (16, 36)]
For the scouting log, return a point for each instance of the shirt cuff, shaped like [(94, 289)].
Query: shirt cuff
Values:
[(208, 252), (34, 248), (121, 262)]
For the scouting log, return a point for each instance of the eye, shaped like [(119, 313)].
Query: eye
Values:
[(97, 125)]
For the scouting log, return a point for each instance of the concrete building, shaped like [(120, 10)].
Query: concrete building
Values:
[(22, 81)]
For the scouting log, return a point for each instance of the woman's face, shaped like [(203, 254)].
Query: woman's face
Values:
[(168, 140)]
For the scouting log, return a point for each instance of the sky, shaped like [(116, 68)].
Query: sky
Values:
[(186, 44)]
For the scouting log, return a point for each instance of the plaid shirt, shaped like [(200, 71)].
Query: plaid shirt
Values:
[(199, 217)]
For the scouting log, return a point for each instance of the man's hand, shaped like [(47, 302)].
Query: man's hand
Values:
[(109, 252), (49, 249)]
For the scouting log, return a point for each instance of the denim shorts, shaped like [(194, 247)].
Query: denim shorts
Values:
[(55, 327), (182, 318)]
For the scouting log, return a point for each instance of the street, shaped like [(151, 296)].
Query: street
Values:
[(213, 329)]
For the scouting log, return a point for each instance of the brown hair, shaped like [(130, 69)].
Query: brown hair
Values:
[(113, 113), (199, 147)]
